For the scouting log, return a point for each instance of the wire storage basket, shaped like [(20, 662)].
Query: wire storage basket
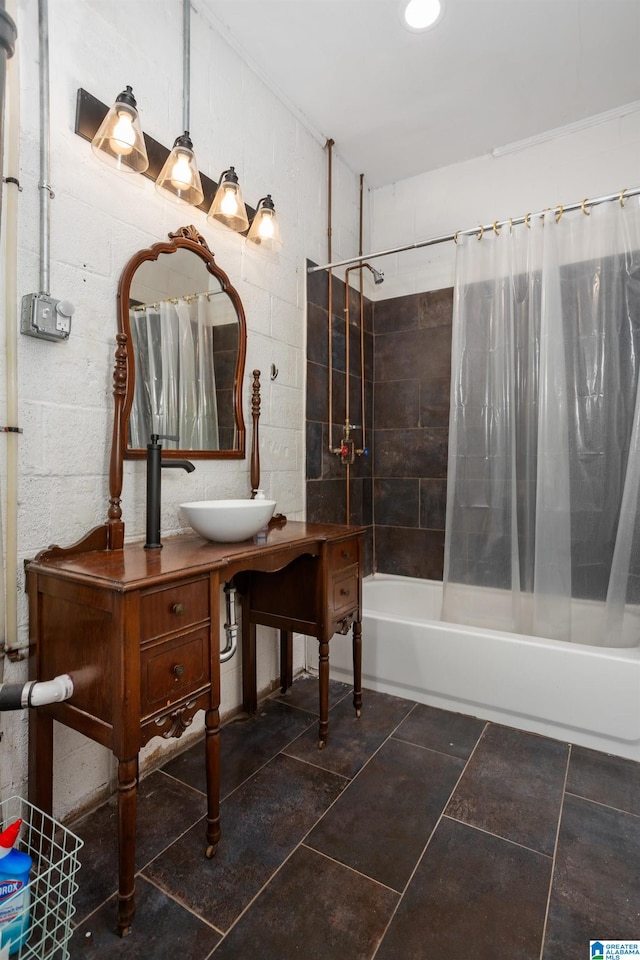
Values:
[(47, 911)]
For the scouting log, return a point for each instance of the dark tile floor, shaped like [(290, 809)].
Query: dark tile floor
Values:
[(415, 833)]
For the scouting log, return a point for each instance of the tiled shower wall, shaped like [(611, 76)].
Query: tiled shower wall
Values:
[(412, 351), (399, 491)]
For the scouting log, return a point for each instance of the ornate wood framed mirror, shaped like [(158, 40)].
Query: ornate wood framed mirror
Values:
[(180, 356), (185, 352)]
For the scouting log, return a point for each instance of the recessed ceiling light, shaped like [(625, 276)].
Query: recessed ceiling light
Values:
[(419, 15)]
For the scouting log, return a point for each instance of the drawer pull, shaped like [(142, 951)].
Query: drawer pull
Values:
[(346, 555), (178, 670), (344, 592), (178, 609)]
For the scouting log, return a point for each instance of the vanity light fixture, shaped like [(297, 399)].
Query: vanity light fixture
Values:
[(119, 141), (265, 229), (179, 179), (228, 206)]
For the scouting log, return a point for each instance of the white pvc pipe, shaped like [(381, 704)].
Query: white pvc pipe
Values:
[(35, 693), (11, 315)]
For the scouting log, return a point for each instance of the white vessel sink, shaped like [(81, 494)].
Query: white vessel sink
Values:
[(228, 521)]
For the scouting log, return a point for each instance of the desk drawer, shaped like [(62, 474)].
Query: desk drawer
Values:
[(343, 554), (173, 608), (173, 669), (344, 592)]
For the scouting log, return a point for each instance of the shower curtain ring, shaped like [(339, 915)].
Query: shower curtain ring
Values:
[(455, 236), (481, 234), (559, 213), (526, 220), (586, 212), (495, 228), (621, 198), (510, 224)]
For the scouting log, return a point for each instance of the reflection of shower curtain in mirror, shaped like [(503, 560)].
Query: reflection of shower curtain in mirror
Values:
[(543, 491), (175, 386)]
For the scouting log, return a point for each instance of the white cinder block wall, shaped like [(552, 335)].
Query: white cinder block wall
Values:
[(595, 161), (98, 220)]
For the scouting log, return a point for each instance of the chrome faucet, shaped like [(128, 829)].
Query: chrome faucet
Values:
[(155, 463)]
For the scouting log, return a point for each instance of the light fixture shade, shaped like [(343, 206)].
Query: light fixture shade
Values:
[(179, 179), (265, 228), (228, 206), (119, 141)]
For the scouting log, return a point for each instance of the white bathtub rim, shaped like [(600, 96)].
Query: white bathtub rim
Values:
[(631, 654), (600, 709)]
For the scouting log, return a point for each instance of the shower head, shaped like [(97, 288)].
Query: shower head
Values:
[(378, 276)]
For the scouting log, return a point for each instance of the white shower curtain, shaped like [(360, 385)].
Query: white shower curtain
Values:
[(542, 532), (175, 385)]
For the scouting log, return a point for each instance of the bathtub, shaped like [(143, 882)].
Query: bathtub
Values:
[(581, 694)]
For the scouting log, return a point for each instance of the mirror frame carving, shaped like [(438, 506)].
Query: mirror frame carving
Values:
[(186, 238)]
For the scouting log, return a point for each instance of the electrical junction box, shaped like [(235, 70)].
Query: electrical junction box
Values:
[(44, 317)]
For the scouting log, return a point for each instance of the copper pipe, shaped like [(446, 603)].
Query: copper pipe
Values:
[(359, 267), (348, 492), (330, 303), (362, 385)]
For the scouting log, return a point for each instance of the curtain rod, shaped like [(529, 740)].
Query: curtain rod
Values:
[(579, 205)]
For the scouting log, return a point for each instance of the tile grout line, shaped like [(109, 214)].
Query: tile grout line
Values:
[(497, 836), (421, 746), (429, 839), (346, 866), (184, 906), (357, 774), (301, 842), (555, 851), (600, 803)]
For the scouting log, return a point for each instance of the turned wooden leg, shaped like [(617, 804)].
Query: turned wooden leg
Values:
[(127, 802), (212, 765), (286, 659), (357, 667), (41, 760), (323, 669)]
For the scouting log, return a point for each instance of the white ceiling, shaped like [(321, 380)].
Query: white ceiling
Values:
[(397, 103)]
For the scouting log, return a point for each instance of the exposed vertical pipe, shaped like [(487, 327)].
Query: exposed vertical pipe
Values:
[(7, 48), (330, 279), (347, 422), (45, 189), (10, 592), (362, 382), (186, 64)]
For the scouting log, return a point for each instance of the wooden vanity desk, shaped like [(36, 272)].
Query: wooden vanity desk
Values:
[(138, 630)]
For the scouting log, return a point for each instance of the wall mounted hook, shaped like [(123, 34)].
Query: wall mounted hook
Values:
[(274, 371)]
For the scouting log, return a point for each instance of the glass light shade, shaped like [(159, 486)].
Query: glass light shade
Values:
[(179, 179), (119, 141), (228, 206), (265, 229)]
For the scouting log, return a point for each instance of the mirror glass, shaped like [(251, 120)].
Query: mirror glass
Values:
[(186, 346)]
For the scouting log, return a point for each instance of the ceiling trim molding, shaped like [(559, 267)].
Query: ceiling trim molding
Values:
[(570, 128)]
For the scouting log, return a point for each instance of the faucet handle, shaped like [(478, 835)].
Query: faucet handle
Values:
[(166, 436)]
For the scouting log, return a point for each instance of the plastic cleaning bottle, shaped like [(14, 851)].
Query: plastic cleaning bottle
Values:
[(15, 894)]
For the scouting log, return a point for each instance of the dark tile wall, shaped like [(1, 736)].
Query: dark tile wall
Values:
[(412, 374), (399, 491), (326, 475)]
